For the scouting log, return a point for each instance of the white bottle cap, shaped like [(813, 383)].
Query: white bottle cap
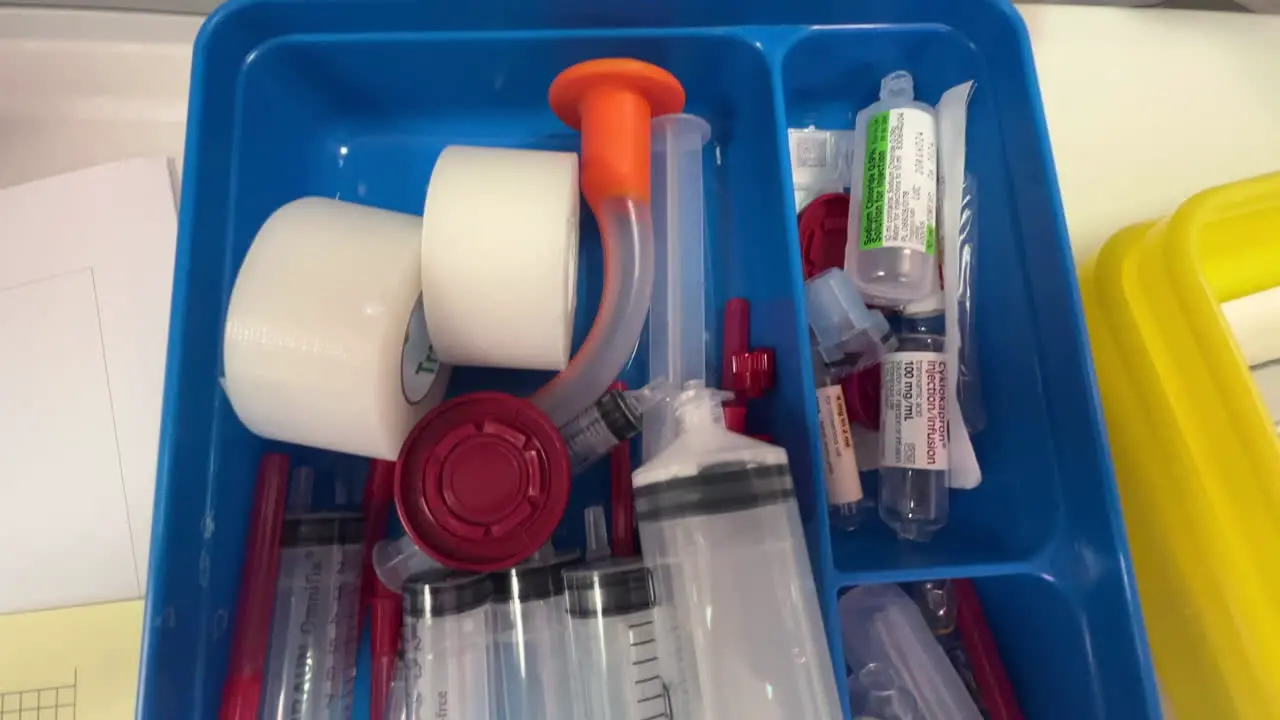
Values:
[(847, 331)]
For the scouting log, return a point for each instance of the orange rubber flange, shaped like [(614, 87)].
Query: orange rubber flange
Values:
[(612, 100)]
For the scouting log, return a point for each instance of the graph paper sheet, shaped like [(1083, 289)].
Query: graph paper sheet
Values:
[(73, 664)]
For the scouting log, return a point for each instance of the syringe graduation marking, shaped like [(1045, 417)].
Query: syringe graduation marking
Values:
[(652, 692)]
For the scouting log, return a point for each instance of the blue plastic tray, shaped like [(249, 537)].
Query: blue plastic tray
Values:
[(355, 98)]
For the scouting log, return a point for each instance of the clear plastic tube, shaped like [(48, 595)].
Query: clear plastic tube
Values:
[(900, 670), (615, 417), (914, 499), (886, 698), (677, 316), (626, 233), (597, 533), (395, 561)]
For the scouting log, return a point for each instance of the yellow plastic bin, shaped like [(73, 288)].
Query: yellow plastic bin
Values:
[(1196, 454)]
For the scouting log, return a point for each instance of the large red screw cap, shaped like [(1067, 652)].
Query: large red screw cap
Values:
[(482, 481)]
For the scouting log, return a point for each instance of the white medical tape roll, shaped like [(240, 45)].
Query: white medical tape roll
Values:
[(500, 257), (326, 342)]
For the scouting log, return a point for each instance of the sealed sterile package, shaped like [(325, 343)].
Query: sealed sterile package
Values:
[(970, 381), (821, 162), (929, 315), (899, 668), (953, 111)]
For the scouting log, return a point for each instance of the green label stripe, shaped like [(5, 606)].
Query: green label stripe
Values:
[(873, 179), (930, 238)]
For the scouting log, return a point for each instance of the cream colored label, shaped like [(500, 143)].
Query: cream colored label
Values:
[(843, 483)]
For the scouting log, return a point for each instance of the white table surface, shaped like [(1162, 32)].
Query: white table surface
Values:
[(78, 88), (1145, 107)]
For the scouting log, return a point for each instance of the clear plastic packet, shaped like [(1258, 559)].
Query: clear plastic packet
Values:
[(821, 162), (953, 110), (970, 381), (928, 317)]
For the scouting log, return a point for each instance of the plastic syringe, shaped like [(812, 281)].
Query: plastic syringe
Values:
[(612, 640), (311, 666), (614, 418), (721, 533), (529, 641), (445, 647), (677, 319)]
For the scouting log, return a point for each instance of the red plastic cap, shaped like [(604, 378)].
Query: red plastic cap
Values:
[(824, 232), (737, 333), (482, 481), (751, 373), (735, 416), (862, 397)]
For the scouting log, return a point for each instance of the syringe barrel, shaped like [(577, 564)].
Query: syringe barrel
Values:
[(726, 543), (613, 419), (596, 430), (613, 642), (445, 646), (677, 315), (311, 664), (530, 643)]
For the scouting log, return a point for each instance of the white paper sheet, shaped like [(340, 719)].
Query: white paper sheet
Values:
[(86, 268)]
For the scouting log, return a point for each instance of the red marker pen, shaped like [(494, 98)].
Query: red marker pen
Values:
[(379, 495), (737, 340), (242, 691), (384, 605), (998, 699), (384, 627)]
